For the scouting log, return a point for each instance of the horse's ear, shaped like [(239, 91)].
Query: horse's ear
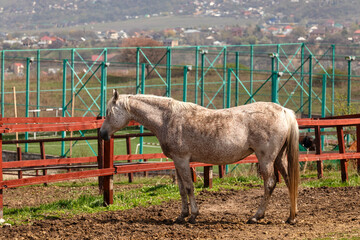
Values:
[(115, 94)]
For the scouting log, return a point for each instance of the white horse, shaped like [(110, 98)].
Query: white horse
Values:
[(190, 133)]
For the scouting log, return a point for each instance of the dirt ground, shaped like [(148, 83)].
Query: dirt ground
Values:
[(323, 213)]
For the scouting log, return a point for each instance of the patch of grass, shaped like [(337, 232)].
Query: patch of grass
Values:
[(237, 182), (85, 203), (330, 179), (124, 199)]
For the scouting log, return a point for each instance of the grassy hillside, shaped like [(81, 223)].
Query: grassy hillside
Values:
[(41, 15)]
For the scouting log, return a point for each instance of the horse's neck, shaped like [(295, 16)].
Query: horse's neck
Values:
[(149, 111)]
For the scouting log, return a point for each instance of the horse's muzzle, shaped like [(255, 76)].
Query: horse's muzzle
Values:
[(104, 135)]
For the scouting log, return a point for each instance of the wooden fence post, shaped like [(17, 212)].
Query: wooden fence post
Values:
[(221, 171), (146, 174), (343, 162), (277, 175), (19, 158), (358, 146), (208, 176), (320, 165), (43, 157), (128, 151), (108, 163), (100, 160), (193, 174)]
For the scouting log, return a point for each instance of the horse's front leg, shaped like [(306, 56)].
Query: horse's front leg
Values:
[(184, 201), (186, 187)]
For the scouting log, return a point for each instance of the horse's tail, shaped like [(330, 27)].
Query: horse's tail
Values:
[(293, 161)]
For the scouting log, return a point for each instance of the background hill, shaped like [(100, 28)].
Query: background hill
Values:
[(47, 14)]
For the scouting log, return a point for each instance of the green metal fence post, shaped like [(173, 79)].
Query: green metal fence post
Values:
[(105, 76), (186, 69), (27, 98), (38, 91), (237, 79), (202, 84), (349, 60), (228, 90), (196, 73), (302, 78), (274, 80), (143, 75), (310, 86), (72, 74), (137, 70), (3, 83), (251, 72), (63, 134), (102, 90), (168, 72), (224, 75), (277, 57)]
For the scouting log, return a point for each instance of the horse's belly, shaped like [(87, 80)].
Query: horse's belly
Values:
[(224, 156)]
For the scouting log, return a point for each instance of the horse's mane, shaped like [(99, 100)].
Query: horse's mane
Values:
[(124, 101), (172, 104)]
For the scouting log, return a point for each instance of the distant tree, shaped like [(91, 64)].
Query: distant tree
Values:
[(154, 55), (251, 39), (344, 32), (76, 34), (336, 38), (236, 40), (298, 31), (250, 30)]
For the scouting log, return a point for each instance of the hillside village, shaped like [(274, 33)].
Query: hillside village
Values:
[(274, 21), (330, 32)]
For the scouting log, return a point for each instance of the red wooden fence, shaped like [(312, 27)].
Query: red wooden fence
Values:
[(107, 164)]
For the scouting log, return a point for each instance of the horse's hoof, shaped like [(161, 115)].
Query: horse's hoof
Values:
[(291, 221), (252, 221), (180, 220), (192, 220)]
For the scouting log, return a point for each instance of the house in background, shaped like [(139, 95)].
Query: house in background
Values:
[(356, 36), (171, 42), (46, 40), (17, 69)]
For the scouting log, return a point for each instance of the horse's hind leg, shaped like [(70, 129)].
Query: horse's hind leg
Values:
[(266, 165), (282, 165)]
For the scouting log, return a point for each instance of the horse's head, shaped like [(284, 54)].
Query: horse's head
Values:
[(117, 115)]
